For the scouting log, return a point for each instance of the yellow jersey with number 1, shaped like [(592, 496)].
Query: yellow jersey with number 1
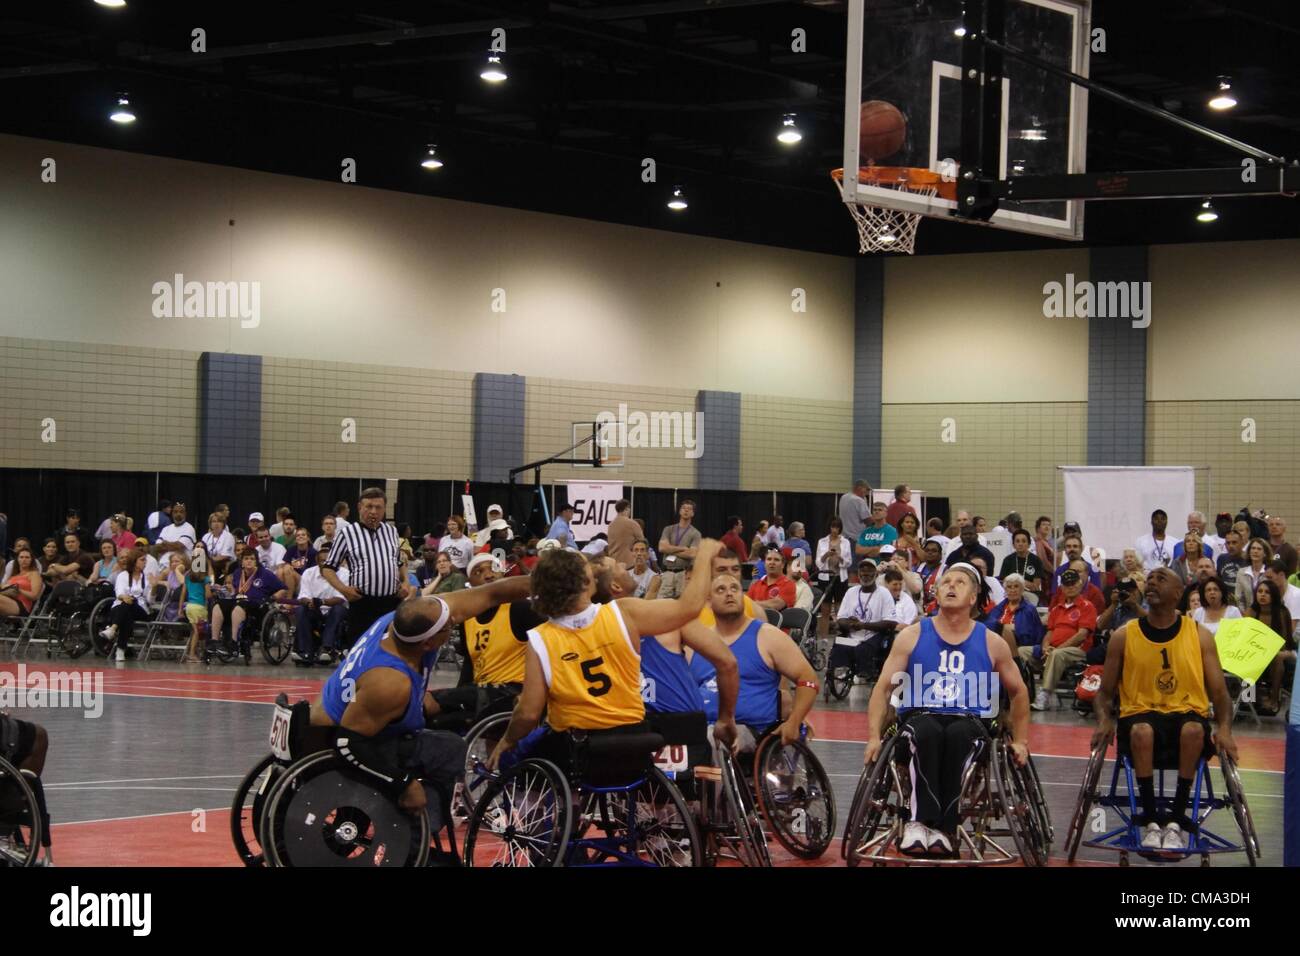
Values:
[(592, 670), (1163, 677)]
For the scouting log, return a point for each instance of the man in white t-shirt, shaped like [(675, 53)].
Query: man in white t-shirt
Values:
[(1275, 571), (1216, 542), (775, 535), (321, 609), (179, 535), (1156, 550), (341, 512), (270, 554), (997, 593)]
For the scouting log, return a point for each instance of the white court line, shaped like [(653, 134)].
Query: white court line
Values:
[(209, 776), (210, 789), (142, 816), (1075, 786)]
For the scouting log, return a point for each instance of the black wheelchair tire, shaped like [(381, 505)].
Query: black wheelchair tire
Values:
[(1015, 791), (475, 784), (839, 682), (876, 786), (532, 772), (277, 636), (750, 840), (96, 622), (250, 850), (24, 816), (769, 750), (1240, 809), (1087, 798)]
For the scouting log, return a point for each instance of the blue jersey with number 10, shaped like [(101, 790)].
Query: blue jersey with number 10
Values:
[(945, 678)]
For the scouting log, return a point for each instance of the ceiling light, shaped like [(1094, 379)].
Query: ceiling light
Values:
[(678, 201), (1034, 135), (431, 160), (789, 132), (886, 238), (122, 112), (1223, 100), (111, 3), (1017, 166), (495, 71), (1207, 213), (959, 32)]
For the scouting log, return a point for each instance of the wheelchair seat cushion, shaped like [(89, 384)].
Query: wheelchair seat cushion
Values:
[(603, 758), (1168, 729)]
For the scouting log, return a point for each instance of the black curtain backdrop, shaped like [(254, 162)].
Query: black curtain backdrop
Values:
[(425, 502), (815, 510), (202, 493), (310, 499)]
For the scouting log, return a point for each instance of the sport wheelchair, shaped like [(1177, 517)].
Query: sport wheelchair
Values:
[(24, 822), (1127, 836), (274, 626), (999, 799), (303, 806)]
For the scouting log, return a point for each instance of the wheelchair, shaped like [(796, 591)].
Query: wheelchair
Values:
[(840, 680), (274, 626), (303, 806), (1127, 836), (24, 822), (613, 807), (801, 625), (999, 799), (64, 618)]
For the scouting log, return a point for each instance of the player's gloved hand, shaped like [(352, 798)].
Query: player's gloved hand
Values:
[(413, 798), (725, 733)]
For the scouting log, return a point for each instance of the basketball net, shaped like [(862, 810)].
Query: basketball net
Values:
[(881, 229)]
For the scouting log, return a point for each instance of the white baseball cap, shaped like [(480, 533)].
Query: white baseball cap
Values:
[(257, 516), (547, 544)]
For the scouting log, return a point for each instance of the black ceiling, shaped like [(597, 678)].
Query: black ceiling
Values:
[(699, 85)]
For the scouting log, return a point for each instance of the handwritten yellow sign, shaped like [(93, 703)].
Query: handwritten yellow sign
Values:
[(1246, 646)]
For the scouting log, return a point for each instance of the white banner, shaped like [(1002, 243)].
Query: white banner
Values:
[(1113, 505), (999, 543), (471, 519), (593, 507)]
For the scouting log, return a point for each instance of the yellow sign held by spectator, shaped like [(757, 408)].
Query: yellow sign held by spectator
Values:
[(1246, 646)]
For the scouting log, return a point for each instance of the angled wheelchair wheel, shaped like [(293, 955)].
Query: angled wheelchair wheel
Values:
[(479, 744), (794, 795), (666, 834), (20, 819), (277, 636), (247, 808), (1015, 788), (839, 682), (1040, 800), (522, 819), (97, 621), (878, 804), (1087, 798), (73, 639), (751, 843), (1240, 809), (321, 813)]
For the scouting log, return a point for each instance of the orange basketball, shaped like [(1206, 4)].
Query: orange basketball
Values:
[(881, 131)]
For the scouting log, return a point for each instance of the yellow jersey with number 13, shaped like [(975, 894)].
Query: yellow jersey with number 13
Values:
[(592, 670), (1163, 678)]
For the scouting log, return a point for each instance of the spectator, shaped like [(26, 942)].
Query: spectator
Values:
[(1089, 591), (328, 528), (223, 510), (447, 576), (1213, 608), (19, 544), (775, 535), (496, 541), (179, 536), (130, 604), (561, 529), (623, 533), (1043, 542), (853, 510), (195, 600), (321, 609), (677, 546), (908, 542), (595, 547), (219, 544), (157, 520), (833, 560), (803, 595), (911, 580), (1015, 618), (1130, 569), (928, 572), (647, 582), (654, 555), (1249, 575), (73, 564), (797, 543), (1232, 560), (733, 540), (1276, 571), (996, 593), (517, 560), (1155, 549), (23, 586), (288, 531), (1184, 564), (405, 534), (341, 513), (1196, 526), (855, 625), (968, 548), (278, 529), (876, 534), (72, 525), (459, 546), (425, 568), (1217, 541), (901, 505), (49, 556), (104, 571), (1072, 545), (758, 543), (1277, 541), (251, 586), (934, 530), (774, 590), (1024, 563), (270, 554), (256, 523), (121, 535), (1068, 638), (1267, 606), (298, 560)]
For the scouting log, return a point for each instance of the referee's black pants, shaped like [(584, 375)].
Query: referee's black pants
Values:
[(363, 613)]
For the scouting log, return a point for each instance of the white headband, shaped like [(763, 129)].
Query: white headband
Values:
[(481, 558), (444, 615), (970, 568)]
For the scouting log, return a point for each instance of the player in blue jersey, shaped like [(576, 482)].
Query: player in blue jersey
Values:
[(941, 671), (377, 697)]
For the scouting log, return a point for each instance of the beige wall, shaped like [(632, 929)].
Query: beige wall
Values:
[(1225, 321), (353, 274), (1004, 457), (954, 326), (794, 444), (130, 409)]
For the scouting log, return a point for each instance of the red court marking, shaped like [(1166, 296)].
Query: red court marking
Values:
[(234, 688), (164, 839)]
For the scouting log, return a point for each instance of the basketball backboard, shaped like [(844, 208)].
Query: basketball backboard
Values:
[(910, 53), (610, 452)]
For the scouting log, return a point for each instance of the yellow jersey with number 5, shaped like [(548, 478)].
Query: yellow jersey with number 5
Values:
[(1163, 677), (592, 670)]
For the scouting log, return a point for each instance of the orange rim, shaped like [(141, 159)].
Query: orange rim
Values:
[(904, 177)]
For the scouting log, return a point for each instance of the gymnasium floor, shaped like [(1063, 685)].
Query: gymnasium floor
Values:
[(150, 781)]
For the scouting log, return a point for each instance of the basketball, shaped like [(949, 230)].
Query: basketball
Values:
[(881, 131)]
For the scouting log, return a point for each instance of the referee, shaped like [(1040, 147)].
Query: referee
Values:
[(376, 570)]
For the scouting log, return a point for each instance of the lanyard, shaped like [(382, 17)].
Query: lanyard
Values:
[(677, 538)]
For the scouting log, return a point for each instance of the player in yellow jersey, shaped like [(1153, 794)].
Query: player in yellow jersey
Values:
[(1166, 669), (583, 666)]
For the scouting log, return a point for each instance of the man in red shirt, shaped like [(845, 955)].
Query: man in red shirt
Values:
[(1090, 592), (734, 541), (774, 590), (1070, 627), (901, 505)]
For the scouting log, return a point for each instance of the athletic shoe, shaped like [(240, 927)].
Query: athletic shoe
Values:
[(1043, 701), (108, 633), (916, 838), (1153, 838), (120, 655), (939, 844), (1173, 839)]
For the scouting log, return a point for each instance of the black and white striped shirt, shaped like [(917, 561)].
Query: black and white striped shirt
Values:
[(372, 557)]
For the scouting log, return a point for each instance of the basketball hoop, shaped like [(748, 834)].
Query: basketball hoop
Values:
[(892, 230)]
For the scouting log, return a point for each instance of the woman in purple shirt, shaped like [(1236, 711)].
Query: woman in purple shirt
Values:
[(250, 586)]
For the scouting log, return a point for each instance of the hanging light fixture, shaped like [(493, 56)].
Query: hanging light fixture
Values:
[(789, 134), (431, 160), (1207, 212), (115, 4), (495, 71), (122, 112), (1223, 99), (678, 201)]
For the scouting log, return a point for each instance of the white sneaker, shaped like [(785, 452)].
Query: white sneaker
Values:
[(939, 843), (1153, 837), (109, 632), (916, 838), (1042, 701), (120, 655), (1174, 838)]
